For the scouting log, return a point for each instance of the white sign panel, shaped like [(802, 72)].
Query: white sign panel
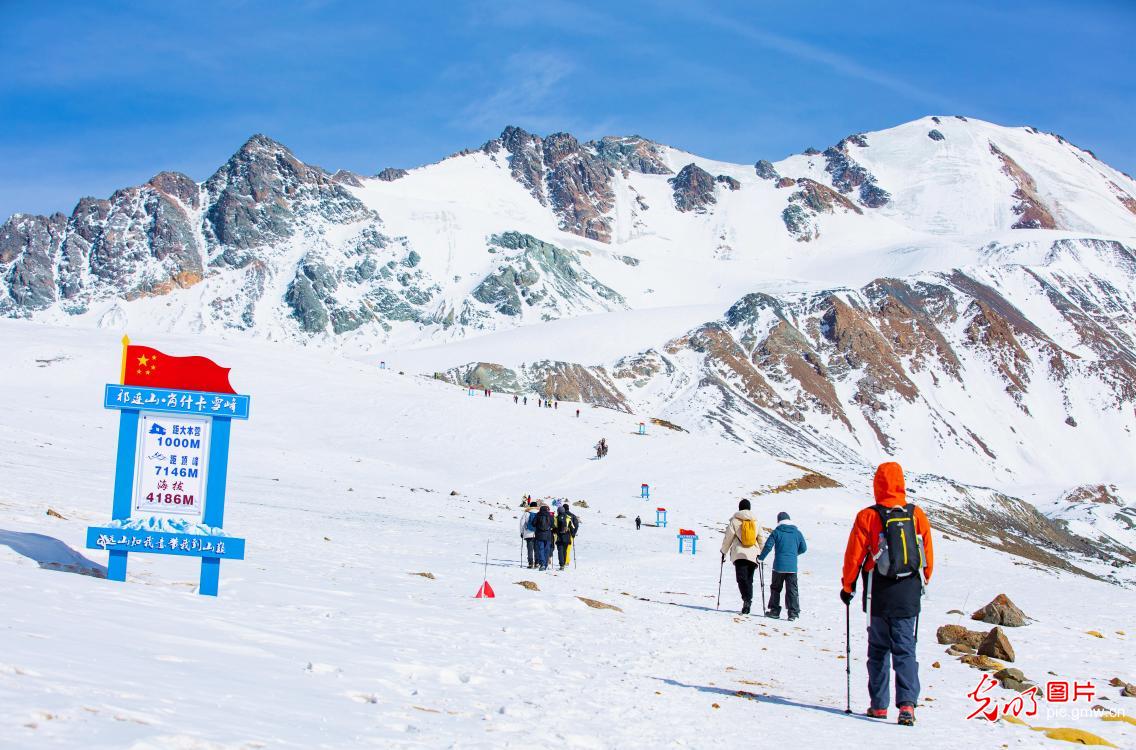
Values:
[(172, 455)]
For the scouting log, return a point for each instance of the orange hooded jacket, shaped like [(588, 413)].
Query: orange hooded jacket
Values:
[(863, 541)]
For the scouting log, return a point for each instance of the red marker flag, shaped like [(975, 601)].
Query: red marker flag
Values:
[(485, 592), (145, 366)]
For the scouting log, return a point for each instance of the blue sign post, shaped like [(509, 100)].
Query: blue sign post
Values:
[(170, 477)]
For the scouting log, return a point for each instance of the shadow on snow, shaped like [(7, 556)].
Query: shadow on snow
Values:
[(50, 553), (775, 700)]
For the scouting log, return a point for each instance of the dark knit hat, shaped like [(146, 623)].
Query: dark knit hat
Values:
[(743, 505), (782, 516)]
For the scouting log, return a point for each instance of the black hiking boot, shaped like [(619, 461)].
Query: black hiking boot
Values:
[(745, 608), (774, 615), (793, 617), (907, 716)]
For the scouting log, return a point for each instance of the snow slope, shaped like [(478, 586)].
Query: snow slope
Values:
[(324, 638)]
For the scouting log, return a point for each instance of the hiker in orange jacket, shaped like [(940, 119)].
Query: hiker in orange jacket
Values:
[(890, 546)]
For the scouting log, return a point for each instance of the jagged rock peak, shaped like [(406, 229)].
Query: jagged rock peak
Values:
[(693, 188)]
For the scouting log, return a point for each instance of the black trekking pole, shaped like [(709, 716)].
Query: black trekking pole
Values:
[(761, 578), (847, 659), (721, 567)]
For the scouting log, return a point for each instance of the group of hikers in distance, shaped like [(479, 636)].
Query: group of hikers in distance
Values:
[(540, 402), (541, 530), (889, 552)]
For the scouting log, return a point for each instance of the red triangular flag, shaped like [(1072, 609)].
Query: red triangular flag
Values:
[(485, 592), (147, 366)]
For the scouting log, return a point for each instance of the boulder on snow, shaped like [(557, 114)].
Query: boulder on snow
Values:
[(530, 585), (949, 634), (1001, 611), (996, 645), (1012, 679), (959, 649)]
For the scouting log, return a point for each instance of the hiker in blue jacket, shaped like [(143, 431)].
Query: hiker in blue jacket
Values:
[(787, 542)]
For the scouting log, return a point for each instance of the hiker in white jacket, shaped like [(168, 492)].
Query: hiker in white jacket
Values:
[(527, 532), (744, 556)]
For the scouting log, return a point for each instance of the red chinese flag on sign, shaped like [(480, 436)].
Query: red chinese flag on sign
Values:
[(150, 368)]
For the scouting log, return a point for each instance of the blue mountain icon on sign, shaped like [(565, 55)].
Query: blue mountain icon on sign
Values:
[(157, 429)]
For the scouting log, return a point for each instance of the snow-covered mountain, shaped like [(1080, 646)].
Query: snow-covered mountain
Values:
[(950, 290)]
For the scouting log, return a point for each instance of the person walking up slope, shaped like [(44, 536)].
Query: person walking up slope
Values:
[(566, 526), (890, 545), (543, 526), (787, 542), (743, 543), (528, 531)]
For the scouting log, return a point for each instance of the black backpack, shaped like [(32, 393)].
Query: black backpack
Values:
[(900, 546), (565, 523), (543, 522)]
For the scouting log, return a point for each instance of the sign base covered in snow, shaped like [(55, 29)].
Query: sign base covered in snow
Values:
[(173, 461)]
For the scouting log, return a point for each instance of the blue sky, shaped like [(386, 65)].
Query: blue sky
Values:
[(97, 96)]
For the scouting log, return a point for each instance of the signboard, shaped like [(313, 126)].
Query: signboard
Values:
[(172, 456), (172, 465)]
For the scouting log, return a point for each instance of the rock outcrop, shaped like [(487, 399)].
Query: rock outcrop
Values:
[(693, 189), (538, 275), (765, 170), (1031, 210), (1001, 611), (848, 174)]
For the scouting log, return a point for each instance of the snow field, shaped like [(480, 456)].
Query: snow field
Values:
[(324, 638)]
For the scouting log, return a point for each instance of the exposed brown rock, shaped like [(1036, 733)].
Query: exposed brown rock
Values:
[(996, 645), (985, 663), (902, 316), (1125, 198), (1032, 212), (957, 634), (810, 480), (665, 423), (1105, 494), (579, 187), (530, 585), (693, 189), (1001, 611), (786, 352), (595, 604), (726, 357), (821, 198)]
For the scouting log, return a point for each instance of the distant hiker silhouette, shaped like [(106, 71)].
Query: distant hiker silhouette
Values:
[(638, 522)]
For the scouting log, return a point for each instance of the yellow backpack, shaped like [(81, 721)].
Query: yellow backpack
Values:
[(747, 533)]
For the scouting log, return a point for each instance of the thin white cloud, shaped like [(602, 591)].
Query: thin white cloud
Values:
[(834, 61), (527, 91)]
